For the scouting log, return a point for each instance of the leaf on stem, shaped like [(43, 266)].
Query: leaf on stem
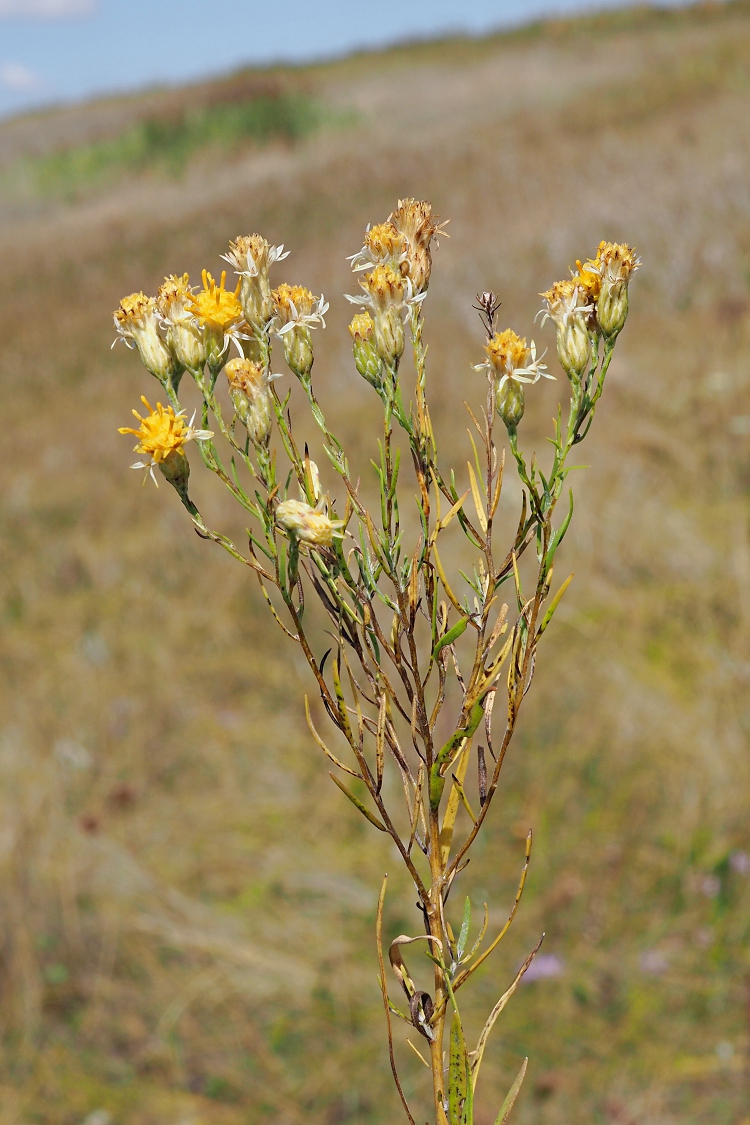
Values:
[(454, 800), (452, 635), (358, 804), (475, 494), (510, 1099), (553, 605), (324, 748), (492, 1018), (386, 1002)]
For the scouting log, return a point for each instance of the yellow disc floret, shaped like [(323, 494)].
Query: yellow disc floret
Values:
[(384, 241)]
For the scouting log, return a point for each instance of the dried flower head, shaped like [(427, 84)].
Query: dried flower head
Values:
[(137, 323), (414, 220), (162, 436), (184, 336), (310, 525), (510, 357)]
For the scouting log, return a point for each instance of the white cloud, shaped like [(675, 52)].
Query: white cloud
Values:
[(18, 78), (46, 9)]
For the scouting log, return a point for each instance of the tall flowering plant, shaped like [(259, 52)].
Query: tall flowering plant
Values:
[(417, 651)]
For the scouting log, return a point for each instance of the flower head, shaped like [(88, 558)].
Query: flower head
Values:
[(295, 305), (383, 243), (184, 336), (251, 256), (309, 525), (568, 305), (414, 220), (137, 323), (162, 436), (614, 265), (248, 390), (215, 306), (297, 311), (510, 357)]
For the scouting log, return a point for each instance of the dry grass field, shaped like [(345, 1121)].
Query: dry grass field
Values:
[(186, 902)]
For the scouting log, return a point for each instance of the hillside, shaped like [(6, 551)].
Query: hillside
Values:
[(181, 939)]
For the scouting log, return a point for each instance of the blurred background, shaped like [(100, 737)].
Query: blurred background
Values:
[(186, 902)]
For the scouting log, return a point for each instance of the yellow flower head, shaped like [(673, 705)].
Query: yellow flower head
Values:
[(510, 357), (506, 351), (293, 302), (245, 375), (385, 242), (589, 279), (216, 306), (161, 432), (386, 286), (362, 327)]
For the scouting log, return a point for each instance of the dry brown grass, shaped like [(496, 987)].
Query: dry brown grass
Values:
[(179, 940)]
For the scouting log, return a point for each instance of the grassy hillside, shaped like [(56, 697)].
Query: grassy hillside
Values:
[(179, 940)]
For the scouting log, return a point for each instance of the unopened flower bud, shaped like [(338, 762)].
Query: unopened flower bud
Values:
[(248, 391), (510, 403), (567, 306), (366, 358), (137, 320), (307, 524)]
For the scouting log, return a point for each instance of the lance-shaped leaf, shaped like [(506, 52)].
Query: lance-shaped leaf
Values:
[(553, 605), (358, 804), (452, 635), (492, 1018), (397, 961), (510, 1098), (458, 1073)]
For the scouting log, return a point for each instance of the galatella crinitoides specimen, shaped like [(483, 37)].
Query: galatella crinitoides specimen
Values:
[(409, 640)]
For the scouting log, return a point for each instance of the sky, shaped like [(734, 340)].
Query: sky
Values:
[(54, 51)]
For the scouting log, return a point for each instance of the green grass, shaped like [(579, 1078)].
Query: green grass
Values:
[(167, 144)]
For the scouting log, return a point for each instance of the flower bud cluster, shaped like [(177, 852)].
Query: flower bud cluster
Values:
[(590, 304), (248, 390)]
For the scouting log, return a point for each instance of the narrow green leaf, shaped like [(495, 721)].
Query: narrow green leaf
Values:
[(358, 804), (452, 635), (457, 1084), (512, 1094)]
